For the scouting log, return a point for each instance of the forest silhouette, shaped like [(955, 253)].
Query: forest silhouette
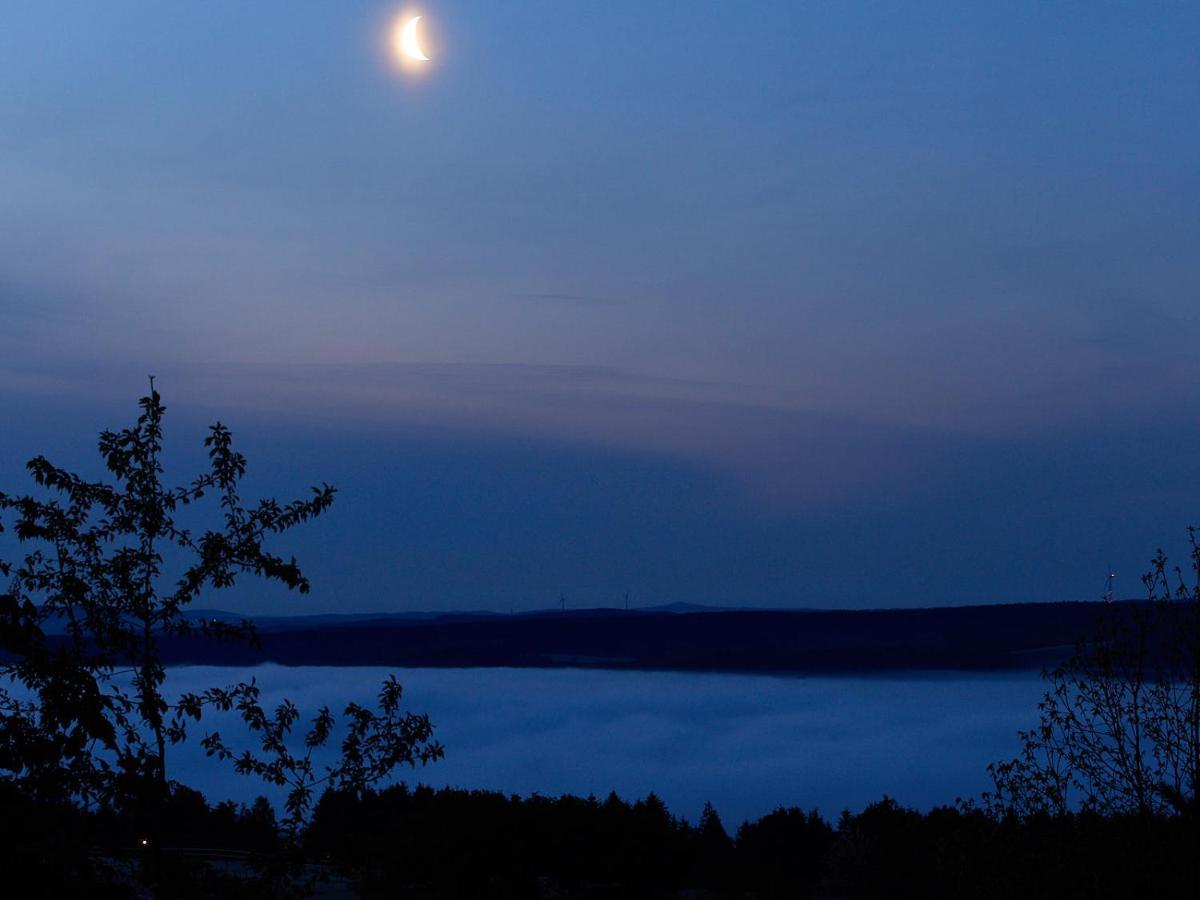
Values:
[(422, 842)]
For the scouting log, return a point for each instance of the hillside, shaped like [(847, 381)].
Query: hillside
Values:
[(979, 638)]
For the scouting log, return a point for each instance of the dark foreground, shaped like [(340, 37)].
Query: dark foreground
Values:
[(450, 843)]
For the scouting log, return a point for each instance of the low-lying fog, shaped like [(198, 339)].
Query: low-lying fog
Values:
[(745, 743)]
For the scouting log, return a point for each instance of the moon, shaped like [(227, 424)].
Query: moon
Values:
[(407, 41)]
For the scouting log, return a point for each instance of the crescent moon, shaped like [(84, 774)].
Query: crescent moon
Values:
[(408, 40)]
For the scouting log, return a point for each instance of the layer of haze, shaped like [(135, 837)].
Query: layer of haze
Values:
[(781, 303), (745, 743)]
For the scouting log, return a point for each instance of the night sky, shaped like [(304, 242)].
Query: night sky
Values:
[(760, 304)]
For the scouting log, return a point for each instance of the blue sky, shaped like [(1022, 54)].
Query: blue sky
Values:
[(793, 303)]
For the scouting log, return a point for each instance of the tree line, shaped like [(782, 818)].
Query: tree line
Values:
[(450, 843)]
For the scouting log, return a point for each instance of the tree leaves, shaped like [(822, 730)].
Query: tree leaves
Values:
[(1119, 726), (373, 745), (83, 611)]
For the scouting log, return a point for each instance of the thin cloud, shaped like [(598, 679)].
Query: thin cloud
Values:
[(781, 450), (579, 299)]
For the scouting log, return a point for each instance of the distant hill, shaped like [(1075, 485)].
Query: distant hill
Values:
[(973, 638), (276, 623)]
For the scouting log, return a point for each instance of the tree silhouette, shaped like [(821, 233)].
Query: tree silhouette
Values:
[(110, 570), (1119, 729)]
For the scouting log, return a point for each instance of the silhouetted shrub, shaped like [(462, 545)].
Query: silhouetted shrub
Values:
[(109, 569), (1119, 726)]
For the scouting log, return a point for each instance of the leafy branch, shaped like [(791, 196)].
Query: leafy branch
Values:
[(374, 743), (109, 572)]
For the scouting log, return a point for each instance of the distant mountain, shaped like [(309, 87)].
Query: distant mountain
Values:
[(332, 620), (682, 637), (337, 620), (276, 623)]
